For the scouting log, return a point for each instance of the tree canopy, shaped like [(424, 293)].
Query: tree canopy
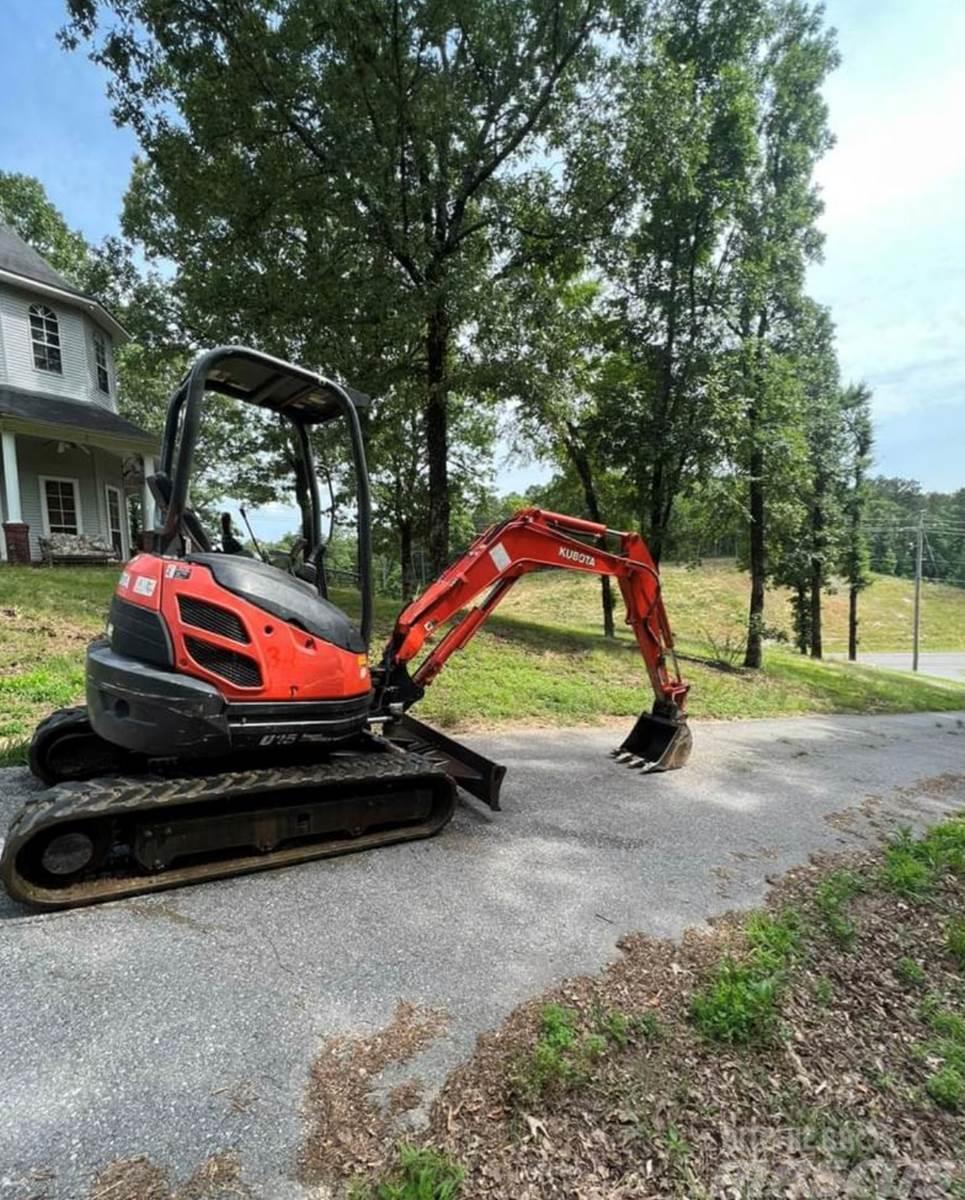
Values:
[(587, 224)]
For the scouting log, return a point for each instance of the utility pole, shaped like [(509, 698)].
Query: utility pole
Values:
[(918, 555)]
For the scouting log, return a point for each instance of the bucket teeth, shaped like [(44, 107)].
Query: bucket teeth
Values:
[(633, 761)]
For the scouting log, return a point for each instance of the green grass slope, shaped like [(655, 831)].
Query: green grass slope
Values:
[(541, 658)]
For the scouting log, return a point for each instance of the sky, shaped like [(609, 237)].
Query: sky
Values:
[(894, 189)]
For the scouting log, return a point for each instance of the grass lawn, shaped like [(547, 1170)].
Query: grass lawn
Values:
[(540, 659)]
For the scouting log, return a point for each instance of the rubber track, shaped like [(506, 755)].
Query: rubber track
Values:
[(148, 795)]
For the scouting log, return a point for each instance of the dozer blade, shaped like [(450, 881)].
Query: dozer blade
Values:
[(656, 743), (478, 775)]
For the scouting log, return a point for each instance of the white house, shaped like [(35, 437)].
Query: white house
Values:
[(64, 445)]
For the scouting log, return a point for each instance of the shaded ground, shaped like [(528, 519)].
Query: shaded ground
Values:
[(186, 1026)]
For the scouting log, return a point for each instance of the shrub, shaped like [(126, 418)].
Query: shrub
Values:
[(947, 1088), (739, 1004), (834, 893), (955, 941), (909, 869), (908, 971), (419, 1175), (775, 940)]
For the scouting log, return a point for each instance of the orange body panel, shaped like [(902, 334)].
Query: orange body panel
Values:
[(294, 665)]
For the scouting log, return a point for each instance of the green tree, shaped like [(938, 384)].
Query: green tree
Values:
[(689, 146), (546, 351), (776, 239), (855, 563), (335, 179)]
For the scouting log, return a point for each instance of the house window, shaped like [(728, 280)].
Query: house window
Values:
[(100, 363), (45, 335), (60, 500), (114, 525)]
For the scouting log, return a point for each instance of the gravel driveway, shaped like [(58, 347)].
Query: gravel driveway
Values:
[(184, 1025)]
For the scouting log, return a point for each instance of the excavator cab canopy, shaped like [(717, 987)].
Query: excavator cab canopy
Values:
[(279, 386), (302, 399)]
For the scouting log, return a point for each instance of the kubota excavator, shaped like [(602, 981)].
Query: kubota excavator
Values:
[(233, 720)]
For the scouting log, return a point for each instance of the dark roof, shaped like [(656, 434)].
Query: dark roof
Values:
[(20, 258), (69, 415)]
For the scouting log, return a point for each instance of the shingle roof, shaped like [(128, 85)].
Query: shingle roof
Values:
[(17, 256), (70, 415)]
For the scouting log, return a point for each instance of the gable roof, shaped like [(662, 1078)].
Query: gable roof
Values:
[(18, 256), (20, 263), (67, 416)]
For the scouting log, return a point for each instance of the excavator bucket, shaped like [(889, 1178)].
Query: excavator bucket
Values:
[(656, 743)]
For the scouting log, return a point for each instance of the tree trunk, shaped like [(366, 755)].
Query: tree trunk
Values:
[(303, 499), (817, 580), (581, 462), (655, 521), (817, 566), (801, 618), (438, 332), (406, 561), (853, 624), (754, 654)]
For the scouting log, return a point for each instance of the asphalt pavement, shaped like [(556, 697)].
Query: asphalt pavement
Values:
[(941, 664), (185, 1024)]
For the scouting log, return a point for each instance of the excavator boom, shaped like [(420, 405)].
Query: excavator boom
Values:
[(534, 540)]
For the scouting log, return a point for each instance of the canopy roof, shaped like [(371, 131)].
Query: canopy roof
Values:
[(279, 386)]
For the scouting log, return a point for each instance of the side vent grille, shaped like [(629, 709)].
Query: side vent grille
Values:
[(236, 668), (203, 615)]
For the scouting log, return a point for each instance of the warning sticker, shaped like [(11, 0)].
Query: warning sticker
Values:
[(499, 556), (144, 586)]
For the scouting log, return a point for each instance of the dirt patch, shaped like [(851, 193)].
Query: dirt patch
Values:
[(349, 1131), (65, 632), (217, 1178)]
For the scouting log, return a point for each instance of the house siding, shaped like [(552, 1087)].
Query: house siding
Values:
[(93, 471), (78, 380)]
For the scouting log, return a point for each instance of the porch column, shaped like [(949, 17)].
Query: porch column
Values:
[(15, 531)]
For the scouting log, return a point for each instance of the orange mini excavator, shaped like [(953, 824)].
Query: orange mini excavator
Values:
[(233, 719)]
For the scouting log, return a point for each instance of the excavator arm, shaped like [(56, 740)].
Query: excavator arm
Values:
[(534, 540)]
